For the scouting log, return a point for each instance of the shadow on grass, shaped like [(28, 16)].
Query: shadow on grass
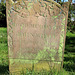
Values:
[(69, 66), (70, 44), (4, 69), (69, 58), (72, 59), (69, 63)]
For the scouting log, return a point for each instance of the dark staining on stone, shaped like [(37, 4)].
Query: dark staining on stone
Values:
[(14, 0)]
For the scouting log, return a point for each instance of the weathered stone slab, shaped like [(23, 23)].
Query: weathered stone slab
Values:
[(36, 34)]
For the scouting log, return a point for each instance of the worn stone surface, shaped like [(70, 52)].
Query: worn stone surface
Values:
[(36, 32)]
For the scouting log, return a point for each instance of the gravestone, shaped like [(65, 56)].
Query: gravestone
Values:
[(36, 34)]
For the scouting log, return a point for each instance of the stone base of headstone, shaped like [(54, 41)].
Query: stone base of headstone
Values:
[(40, 66)]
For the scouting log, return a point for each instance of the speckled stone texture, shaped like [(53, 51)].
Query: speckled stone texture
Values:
[(36, 34)]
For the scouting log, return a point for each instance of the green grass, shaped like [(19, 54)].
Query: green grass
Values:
[(69, 57), (44, 72), (69, 34), (3, 51)]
